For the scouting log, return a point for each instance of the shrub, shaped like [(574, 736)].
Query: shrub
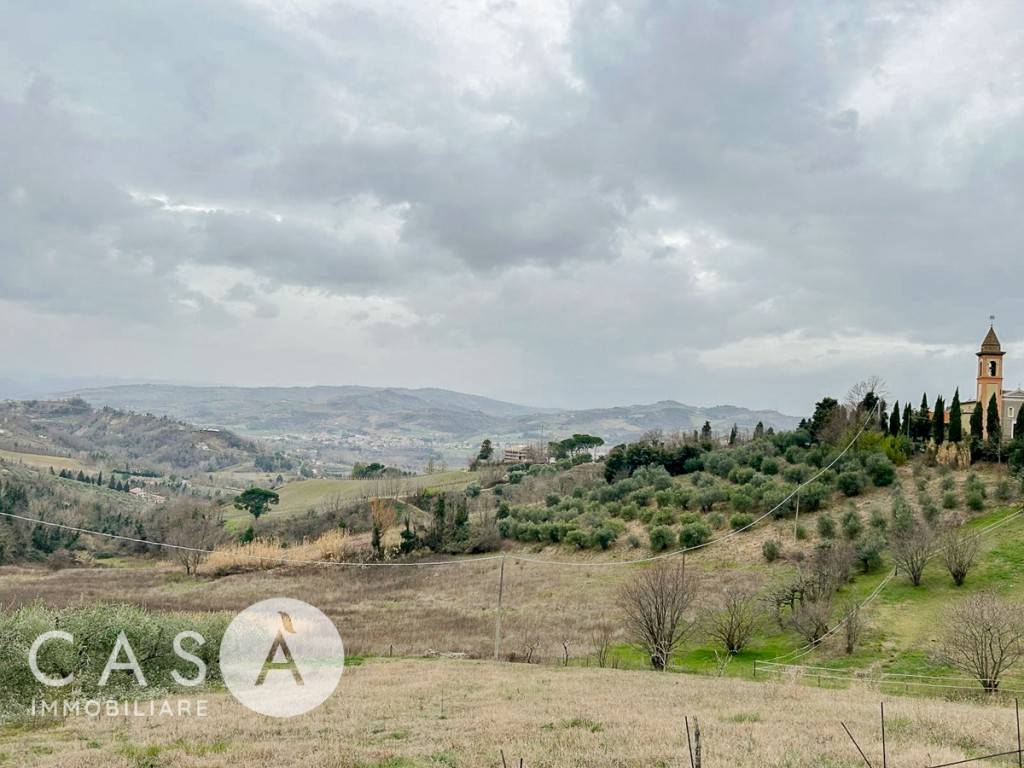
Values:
[(948, 483), (949, 500), (771, 550), (716, 520), (800, 531), (868, 552), (826, 527), (578, 538), (662, 537), (851, 483), (604, 536), (975, 501), (694, 534), (878, 521), (742, 475), (741, 501), (813, 496), (740, 520), (663, 516), (551, 500), (880, 469), (929, 510), (1004, 490), (902, 516), (796, 473), (770, 466), (852, 525)]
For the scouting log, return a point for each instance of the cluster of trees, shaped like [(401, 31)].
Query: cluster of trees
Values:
[(573, 446), (660, 609), (274, 462), (112, 482), (932, 423)]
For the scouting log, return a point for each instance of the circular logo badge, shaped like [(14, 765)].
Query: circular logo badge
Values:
[(281, 657)]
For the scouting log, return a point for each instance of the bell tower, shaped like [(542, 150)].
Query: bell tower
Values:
[(990, 371)]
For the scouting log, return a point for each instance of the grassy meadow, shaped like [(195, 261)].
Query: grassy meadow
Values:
[(436, 712), (300, 496)]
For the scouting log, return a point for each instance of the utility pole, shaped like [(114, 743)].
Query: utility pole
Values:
[(497, 618)]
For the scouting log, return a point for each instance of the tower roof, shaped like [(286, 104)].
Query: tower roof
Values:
[(991, 345)]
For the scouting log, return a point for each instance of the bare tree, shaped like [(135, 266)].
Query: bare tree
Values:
[(810, 618), (529, 642), (735, 620), (601, 639), (872, 385), (912, 550), (985, 638), (194, 526), (654, 604), (566, 639), (958, 553), (853, 624)]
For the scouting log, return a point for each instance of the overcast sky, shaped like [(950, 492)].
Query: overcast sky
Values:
[(571, 204)]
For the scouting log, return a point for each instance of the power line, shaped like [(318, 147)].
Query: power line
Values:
[(441, 563)]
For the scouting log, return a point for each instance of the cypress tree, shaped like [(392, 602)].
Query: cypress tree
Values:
[(939, 421), (1018, 425), (995, 431), (921, 429), (894, 420), (977, 422), (956, 425), (908, 421)]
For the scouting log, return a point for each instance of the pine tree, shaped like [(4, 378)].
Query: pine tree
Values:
[(956, 425), (995, 431), (939, 421), (977, 422), (894, 420)]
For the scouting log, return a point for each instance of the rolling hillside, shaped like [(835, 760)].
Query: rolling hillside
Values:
[(74, 429)]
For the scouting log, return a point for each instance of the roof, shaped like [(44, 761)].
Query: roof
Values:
[(991, 345)]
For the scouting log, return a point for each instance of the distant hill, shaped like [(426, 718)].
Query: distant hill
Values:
[(426, 414), (107, 435)]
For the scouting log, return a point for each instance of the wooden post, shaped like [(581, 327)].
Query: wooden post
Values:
[(1020, 757), (796, 517), (696, 743), (885, 758), (497, 618)]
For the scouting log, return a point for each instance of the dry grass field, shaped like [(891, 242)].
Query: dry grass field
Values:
[(42, 461), (427, 713)]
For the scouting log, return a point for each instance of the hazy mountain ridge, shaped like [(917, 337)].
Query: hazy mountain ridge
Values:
[(429, 413)]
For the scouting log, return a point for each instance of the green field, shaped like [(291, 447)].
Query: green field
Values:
[(300, 496)]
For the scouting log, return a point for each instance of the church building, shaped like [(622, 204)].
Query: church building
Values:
[(990, 382)]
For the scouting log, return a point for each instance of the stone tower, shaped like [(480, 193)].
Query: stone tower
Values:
[(990, 371)]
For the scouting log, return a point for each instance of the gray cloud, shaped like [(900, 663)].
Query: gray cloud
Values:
[(575, 204)]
